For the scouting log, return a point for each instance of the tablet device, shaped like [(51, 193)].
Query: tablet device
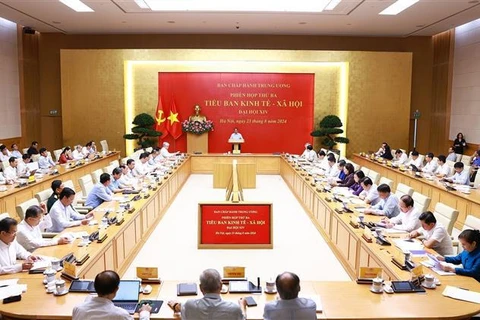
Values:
[(82, 286), (155, 304)]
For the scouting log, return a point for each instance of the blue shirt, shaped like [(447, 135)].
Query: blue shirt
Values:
[(114, 184), (387, 207), (98, 195), (470, 262), (294, 309)]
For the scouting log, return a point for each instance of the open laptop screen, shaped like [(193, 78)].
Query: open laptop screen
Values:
[(128, 291)]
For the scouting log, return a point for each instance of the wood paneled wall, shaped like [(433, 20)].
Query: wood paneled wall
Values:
[(51, 44)]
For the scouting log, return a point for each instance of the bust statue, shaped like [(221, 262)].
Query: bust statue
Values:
[(197, 116)]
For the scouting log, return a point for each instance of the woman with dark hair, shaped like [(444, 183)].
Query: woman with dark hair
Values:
[(65, 156), (349, 179), (469, 257), (459, 143), (356, 188), (385, 152)]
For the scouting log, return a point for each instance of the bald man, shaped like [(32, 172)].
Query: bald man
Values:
[(290, 306)]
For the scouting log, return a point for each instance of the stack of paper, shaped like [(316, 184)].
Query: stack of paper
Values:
[(461, 294), (12, 290)]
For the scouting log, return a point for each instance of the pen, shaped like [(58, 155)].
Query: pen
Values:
[(463, 288)]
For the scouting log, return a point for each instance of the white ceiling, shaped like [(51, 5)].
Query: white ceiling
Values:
[(351, 17)]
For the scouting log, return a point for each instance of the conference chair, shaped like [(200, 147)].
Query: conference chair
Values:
[(115, 163), (149, 149), (355, 166), (104, 145), (459, 157), (386, 181), (365, 171), (124, 160), (446, 215), (35, 157), (375, 176), (471, 222), (86, 184), (450, 163), (24, 150), (466, 160), (421, 201), (476, 182), (109, 169), (4, 165), (42, 196), (22, 209), (403, 189), (96, 175), (57, 154), (79, 202)]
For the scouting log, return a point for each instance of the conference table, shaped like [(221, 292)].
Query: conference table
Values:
[(15, 195), (340, 300), (466, 204)]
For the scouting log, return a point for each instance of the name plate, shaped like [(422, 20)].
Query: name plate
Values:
[(70, 269), (370, 273), (234, 272), (399, 256), (417, 272), (147, 272), (367, 235), (102, 233)]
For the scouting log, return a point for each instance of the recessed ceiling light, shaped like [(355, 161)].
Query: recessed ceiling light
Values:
[(77, 5), (239, 6), (420, 26), (303, 22), (170, 21), (332, 4), (398, 7), (142, 4), (56, 22)]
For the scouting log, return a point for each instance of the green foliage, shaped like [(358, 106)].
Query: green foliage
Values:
[(143, 131), (328, 128)]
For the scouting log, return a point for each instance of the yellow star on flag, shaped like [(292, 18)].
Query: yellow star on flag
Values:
[(159, 119), (173, 117)]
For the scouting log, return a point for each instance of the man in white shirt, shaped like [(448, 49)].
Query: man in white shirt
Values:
[(311, 155), (77, 153), (305, 152), (101, 307), (11, 171), (141, 167), (407, 219), (164, 151), (332, 170), (22, 168), (29, 234), (369, 193), (131, 169), (237, 136), (443, 169), (10, 250), (4, 153), (125, 180), (431, 165), (415, 160), (64, 215), (89, 149), (16, 152), (45, 162), (461, 176), (400, 157), (435, 235)]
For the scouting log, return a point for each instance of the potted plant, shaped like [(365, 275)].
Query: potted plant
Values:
[(143, 131), (330, 127)]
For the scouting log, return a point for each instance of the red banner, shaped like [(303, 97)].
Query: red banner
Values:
[(272, 111), (228, 224)]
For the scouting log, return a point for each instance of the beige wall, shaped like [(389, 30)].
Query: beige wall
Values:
[(378, 87), (50, 45)]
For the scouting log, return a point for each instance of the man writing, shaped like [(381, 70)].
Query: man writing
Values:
[(10, 250), (101, 307), (64, 215)]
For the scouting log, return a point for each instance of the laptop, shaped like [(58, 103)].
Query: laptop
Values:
[(127, 295), (414, 168)]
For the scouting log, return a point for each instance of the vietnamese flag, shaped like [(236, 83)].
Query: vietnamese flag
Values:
[(174, 126), (161, 120)]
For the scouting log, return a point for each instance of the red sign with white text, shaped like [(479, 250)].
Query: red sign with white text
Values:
[(272, 111), (235, 224)]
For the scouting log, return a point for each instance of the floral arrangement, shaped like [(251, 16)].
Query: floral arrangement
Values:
[(197, 127)]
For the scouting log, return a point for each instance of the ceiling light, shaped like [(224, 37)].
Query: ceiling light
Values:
[(142, 4), (77, 5), (332, 4), (239, 6), (398, 7)]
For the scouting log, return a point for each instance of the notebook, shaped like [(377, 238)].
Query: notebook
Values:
[(82, 286), (127, 295)]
